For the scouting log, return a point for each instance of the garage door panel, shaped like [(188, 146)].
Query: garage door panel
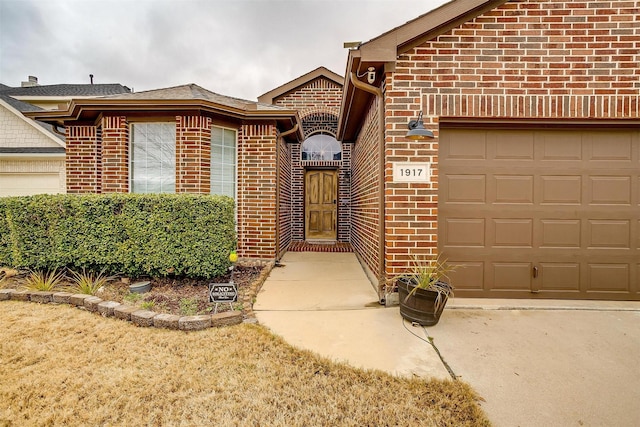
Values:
[(561, 190), (547, 214), (610, 190), (559, 233), (464, 232), (611, 234), (513, 189), (560, 276), (616, 146), (512, 233), (511, 145), (608, 277), (570, 149), (27, 184), (469, 275), (511, 275), (468, 145), (465, 188)]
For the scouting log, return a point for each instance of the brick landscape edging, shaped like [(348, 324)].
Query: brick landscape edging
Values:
[(126, 312), (138, 316)]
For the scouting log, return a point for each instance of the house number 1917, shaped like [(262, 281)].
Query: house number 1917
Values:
[(411, 172)]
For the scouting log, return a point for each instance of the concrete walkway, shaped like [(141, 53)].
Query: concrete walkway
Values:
[(324, 302), (555, 363)]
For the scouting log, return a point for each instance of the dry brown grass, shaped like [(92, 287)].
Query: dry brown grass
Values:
[(63, 366)]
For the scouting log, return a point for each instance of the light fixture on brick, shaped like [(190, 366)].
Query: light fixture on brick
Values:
[(417, 130)]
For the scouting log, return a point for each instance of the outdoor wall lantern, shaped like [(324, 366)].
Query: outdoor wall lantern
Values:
[(417, 130), (371, 75)]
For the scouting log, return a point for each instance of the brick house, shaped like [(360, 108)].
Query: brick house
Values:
[(532, 180), (185, 139)]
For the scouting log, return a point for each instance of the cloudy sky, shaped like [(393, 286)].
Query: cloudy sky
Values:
[(241, 48)]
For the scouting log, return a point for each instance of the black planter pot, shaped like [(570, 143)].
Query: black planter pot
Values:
[(421, 306)]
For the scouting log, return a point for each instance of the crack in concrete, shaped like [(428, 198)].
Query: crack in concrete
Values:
[(435, 348)]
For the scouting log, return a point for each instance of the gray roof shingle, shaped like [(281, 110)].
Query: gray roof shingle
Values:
[(19, 105), (68, 90), (193, 91)]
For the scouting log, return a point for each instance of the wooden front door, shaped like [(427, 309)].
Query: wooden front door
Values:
[(321, 189)]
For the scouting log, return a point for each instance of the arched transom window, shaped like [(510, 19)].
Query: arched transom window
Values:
[(321, 146)]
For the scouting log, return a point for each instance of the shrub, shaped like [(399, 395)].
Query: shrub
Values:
[(134, 234)]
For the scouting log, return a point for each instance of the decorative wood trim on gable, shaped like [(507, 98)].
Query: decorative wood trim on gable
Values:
[(319, 73)]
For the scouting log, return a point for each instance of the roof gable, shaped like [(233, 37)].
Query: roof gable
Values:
[(41, 128), (318, 73), (387, 46), (382, 52)]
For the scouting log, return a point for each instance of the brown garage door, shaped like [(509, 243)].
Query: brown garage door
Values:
[(541, 213)]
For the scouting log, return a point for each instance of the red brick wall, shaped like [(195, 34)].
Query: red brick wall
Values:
[(115, 154), (284, 195), (193, 154), (318, 104), (318, 95), (98, 161), (529, 59), (83, 160), (257, 191), (365, 191)]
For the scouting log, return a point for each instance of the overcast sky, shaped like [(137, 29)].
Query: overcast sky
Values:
[(240, 48)]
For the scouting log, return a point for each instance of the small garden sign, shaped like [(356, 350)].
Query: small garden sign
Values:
[(223, 292)]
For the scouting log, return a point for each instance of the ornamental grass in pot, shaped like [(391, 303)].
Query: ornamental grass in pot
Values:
[(424, 290)]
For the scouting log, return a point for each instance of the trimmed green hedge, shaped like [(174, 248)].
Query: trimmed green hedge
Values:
[(133, 234)]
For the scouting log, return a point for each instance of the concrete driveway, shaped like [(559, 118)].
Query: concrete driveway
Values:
[(551, 367), (553, 363)]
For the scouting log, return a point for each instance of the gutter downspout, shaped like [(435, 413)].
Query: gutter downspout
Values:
[(290, 131), (381, 206), (279, 137), (54, 127)]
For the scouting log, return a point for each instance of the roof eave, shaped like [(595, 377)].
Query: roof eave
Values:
[(87, 110)]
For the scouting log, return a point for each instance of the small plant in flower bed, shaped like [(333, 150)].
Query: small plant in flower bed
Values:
[(88, 283), (188, 306), (44, 281)]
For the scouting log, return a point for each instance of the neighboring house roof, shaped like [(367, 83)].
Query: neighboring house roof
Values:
[(66, 90), (19, 105), (13, 106), (185, 99), (320, 72), (382, 52), (25, 106)]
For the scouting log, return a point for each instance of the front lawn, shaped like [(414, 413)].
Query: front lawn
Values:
[(64, 366)]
